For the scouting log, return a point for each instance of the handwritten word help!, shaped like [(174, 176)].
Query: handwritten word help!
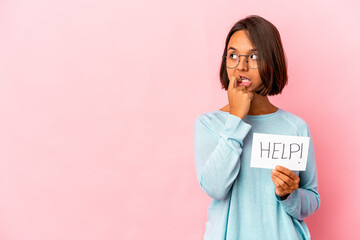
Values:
[(284, 149), (269, 150)]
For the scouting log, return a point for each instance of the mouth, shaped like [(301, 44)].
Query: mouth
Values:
[(243, 81)]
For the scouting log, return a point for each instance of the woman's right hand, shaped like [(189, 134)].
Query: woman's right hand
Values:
[(239, 98)]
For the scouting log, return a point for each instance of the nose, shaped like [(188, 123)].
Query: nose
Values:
[(242, 66)]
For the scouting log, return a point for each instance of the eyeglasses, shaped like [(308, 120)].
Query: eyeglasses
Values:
[(233, 59)]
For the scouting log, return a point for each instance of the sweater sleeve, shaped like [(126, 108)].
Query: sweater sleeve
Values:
[(305, 200), (217, 155)]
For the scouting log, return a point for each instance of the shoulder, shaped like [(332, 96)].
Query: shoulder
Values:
[(211, 120), (296, 122)]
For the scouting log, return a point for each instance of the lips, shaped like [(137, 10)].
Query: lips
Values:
[(243, 81)]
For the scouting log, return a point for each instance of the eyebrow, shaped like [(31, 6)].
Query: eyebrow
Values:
[(251, 50)]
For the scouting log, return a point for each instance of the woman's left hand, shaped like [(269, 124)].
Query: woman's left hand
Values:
[(285, 181)]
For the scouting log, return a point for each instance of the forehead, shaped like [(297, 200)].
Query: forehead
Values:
[(240, 41)]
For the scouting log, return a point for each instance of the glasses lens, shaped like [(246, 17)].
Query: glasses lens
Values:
[(252, 61), (232, 60)]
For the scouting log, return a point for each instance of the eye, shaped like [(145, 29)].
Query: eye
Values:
[(253, 56), (233, 56)]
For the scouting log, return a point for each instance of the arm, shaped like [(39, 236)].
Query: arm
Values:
[(305, 200), (217, 161)]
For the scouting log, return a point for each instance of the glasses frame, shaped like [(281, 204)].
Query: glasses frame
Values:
[(247, 60)]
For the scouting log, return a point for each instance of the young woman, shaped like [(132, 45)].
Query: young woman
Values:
[(252, 203)]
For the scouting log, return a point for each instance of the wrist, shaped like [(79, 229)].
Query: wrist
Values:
[(284, 197)]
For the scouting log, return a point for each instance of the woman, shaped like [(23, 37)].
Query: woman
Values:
[(252, 203)]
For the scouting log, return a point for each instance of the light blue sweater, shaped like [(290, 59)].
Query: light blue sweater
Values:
[(244, 204)]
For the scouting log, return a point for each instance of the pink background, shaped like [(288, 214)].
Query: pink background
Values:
[(98, 101)]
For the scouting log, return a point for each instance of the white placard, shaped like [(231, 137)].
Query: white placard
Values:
[(269, 150)]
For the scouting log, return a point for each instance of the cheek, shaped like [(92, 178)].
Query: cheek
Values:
[(257, 76), (230, 72)]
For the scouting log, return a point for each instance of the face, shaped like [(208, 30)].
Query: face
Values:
[(240, 44)]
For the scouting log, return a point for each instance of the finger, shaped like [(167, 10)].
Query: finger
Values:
[(283, 185), (287, 172), (237, 78), (231, 83), (275, 182), (277, 185), (278, 189), (290, 182)]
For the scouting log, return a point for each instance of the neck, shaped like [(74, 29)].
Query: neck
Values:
[(261, 105)]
